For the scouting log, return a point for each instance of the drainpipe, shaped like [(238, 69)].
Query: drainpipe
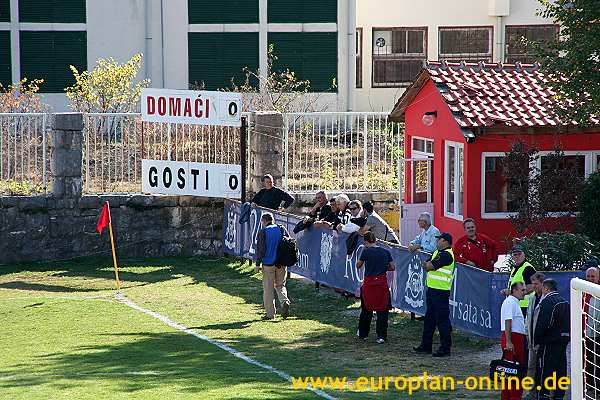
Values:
[(351, 53), (500, 40), (148, 41)]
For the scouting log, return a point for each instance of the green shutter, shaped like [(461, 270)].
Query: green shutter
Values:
[(4, 10), (305, 11), (215, 58), (57, 11), (311, 55), (48, 54), (223, 11), (5, 60)]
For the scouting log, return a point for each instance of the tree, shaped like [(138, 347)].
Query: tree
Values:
[(280, 91), (572, 63), (22, 97), (109, 88), (536, 192), (589, 207)]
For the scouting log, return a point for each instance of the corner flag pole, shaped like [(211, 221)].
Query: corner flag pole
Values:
[(114, 253)]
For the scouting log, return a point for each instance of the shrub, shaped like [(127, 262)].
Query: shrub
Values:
[(559, 251)]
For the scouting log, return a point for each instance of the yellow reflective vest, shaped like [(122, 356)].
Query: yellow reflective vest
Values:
[(516, 275), (441, 278)]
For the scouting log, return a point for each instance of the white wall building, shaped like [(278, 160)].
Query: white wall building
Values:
[(191, 43), (396, 37)]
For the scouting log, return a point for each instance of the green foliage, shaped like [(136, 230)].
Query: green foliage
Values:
[(329, 179), (589, 207), (572, 64), (21, 97), (15, 188), (108, 88), (559, 250)]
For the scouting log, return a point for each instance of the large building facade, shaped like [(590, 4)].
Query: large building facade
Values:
[(186, 43), (360, 54), (396, 37)]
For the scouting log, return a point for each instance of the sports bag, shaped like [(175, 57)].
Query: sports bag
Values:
[(287, 251), (506, 368)]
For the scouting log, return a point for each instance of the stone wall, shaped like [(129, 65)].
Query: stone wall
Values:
[(63, 224)]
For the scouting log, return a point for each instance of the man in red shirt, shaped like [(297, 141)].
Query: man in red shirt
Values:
[(476, 249)]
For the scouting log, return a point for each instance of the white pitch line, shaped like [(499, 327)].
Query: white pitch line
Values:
[(220, 345)]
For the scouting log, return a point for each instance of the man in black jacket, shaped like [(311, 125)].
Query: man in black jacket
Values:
[(551, 337), (272, 197)]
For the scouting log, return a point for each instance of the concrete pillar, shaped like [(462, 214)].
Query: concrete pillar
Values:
[(267, 137), (66, 153)]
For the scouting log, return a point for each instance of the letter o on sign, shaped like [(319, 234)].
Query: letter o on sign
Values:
[(233, 109), (233, 182)]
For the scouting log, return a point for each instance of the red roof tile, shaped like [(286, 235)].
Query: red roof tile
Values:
[(485, 94)]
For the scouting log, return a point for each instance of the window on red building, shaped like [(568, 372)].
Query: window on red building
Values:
[(399, 54), (454, 179), (468, 44), (422, 171), (495, 186)]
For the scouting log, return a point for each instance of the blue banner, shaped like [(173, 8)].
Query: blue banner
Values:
[(475, 300)]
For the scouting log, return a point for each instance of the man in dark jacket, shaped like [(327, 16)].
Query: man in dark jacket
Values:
[(272, 197), (551, 337)]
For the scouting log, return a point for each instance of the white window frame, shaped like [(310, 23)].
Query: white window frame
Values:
[(594, 167), (589, 168), (456, 145), (417, 155)]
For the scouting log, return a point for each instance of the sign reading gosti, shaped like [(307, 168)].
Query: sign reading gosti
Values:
[(191, 107), (184, 178)]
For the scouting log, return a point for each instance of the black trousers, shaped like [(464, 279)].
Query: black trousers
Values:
[(552, 358), (365, 318), (437, 316)]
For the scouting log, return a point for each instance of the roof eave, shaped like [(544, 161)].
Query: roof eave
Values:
[(397, 114)]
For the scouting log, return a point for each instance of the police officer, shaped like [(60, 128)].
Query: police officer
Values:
[(440, 272), (522, 271)]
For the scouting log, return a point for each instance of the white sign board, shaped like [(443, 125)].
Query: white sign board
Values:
[(182, 178), (191, 107)]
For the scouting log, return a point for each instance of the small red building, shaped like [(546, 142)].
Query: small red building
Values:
[(463, 117)]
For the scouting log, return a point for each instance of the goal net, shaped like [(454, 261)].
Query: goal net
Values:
[(585, 340)]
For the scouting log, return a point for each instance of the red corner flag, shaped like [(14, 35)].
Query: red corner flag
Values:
[(104, 219)]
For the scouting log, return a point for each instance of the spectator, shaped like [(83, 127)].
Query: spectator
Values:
[(377, 225), (551, 338), (317, 212), (426, 240), (440, 273), (330, 220), (321, 208), (591, 324), (530, 322), (344, 214), (521, 271), (274, 276), (356, 221), (476, 249), (272, 197), (512, 325), (375, 293)]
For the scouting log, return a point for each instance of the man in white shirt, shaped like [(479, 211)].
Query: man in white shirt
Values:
[(426, 240), (513, 339)]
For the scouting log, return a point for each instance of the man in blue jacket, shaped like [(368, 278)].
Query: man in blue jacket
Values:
[(274, 276)]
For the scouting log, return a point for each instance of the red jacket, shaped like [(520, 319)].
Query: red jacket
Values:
[(483, 251)]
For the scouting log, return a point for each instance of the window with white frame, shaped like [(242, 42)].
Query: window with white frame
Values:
[(399, 54), (454, 173), (495, 187), (575, 164), (468, 44), (422, 171)]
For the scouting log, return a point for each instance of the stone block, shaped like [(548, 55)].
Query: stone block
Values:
[(194, 201), (166, 201), (66, 163), (33, 203), (141, 201), (8, 201), (68, 122), (117, 200), (89, 202)]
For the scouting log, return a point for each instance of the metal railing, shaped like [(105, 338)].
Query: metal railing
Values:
[(24, 161), (115, 144), (349, 151)]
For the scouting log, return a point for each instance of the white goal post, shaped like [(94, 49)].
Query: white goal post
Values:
[(579, 288)]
